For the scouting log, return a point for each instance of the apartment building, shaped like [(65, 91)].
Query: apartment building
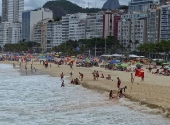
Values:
[(30, 18), (65, 28), (153, 25), (77, 25), (12, 10), (54, 33), (94, 25), (10, 33), (16, 34), (40, 33), (165, 22), (110, 22), (132, 27), (140, 6)]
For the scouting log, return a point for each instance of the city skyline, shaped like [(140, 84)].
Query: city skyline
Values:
[(32, 4)]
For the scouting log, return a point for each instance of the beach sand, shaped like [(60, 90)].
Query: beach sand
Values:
[(154, 91)]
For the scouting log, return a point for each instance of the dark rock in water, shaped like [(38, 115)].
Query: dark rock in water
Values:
[(111, 4)]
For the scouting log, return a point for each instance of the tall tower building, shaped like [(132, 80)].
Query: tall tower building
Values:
[(12, 10)]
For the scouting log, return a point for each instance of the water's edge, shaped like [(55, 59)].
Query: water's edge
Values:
[(164, 111)]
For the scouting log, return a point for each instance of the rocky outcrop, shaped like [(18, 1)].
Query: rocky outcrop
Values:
[(111, 4)]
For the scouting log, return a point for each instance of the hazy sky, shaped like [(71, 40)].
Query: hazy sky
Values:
[(32, 4)]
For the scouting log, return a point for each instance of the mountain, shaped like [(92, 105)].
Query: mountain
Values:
[(111, 4), (63, 7)]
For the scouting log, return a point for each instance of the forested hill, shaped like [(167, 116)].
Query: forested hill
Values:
[(63, 7)]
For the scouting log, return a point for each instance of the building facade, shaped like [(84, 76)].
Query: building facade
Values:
[(132, 30), (16, 33), (153, 27), (65, 28), (165, 22), (140, 6), (30, 18), (10, 33), (77, 26), (40, 33), (12, 10), (54, 33), (94, 25)]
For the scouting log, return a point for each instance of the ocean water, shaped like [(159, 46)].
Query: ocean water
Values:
[(39, 100)]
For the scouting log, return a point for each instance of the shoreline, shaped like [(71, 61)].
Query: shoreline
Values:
[(150, 99)]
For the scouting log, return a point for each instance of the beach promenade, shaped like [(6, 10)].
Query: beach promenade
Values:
[(154, 91)]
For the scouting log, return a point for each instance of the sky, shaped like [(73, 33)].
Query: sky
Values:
[(32, 4)]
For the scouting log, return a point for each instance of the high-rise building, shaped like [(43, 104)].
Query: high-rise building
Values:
[(10, 33), (65, 28), (132, 27), (94, 25), (30, 18), (153, 23), (110, 23), (165, 22), (77, 26), (140, 5), (12, 10)]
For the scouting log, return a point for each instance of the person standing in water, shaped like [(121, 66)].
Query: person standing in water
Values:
[(62, 84), (26, 68)]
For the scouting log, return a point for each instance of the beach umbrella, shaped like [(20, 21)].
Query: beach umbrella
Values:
[(107, 64), (138, 63), (165, 64), (166, 67), (112, 62), (124, 65)]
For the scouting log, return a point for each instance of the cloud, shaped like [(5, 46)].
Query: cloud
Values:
[(32, 4)]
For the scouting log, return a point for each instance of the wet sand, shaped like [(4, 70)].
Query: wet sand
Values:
[(153, 92)]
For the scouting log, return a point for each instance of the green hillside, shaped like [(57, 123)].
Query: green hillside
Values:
[(63, 7)]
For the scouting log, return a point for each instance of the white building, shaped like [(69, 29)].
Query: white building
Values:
[(5, 34), (165, 22), (153, 27), (124, 34), (77, 24), (132, 27), (40, 33), (54, 33), (10, 33), (30, 18), (140, 5), (16, 32), (12, 10), (65, 28), (94, 25), (48, 33)]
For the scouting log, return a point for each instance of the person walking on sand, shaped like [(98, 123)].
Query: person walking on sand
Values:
[(118, 82), (62, 84), (71, 65), (132, 79), (81, 76), (71, 74), (97, 75), (94, 75), (110, 94), (62, 75)]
